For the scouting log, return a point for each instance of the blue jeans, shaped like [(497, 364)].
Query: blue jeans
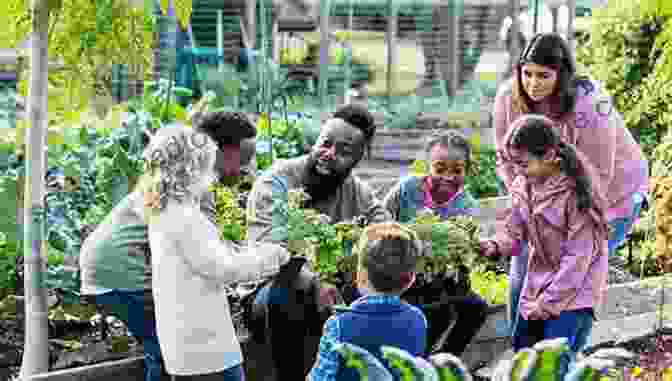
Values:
[(518, 266), (573, 325), (136, 309), (236, 373), (623, 226)]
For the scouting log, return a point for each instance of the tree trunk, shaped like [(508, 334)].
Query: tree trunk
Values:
[(36, 349)]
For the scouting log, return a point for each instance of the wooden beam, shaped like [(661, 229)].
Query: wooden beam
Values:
[(571, 16), (391, 42), (449, 21), (324, 50), (251, 10), (515, 29)]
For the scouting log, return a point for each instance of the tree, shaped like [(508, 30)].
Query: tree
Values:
[(36, 351), (88, 36)]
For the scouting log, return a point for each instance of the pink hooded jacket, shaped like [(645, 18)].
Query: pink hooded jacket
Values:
[(568, 263), (598, 133)]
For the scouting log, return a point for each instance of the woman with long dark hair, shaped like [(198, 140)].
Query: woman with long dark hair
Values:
[(545, 82)]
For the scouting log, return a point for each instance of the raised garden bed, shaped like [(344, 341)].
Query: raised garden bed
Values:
[(624, 300), (653, 352)]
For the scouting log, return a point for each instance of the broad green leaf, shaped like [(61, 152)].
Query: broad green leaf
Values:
[(180, 113), (165, 5), (182, 91), (55, 137), (83, 135), (8, 209)]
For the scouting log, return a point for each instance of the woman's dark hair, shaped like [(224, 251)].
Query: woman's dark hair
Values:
[(226, 127), (359, 117), (550, 50), (537, 137), (450, 140)]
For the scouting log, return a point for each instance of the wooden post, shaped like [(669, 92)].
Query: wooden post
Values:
[(536, 16), (391, 43), (450, 67), (275, 35), (348, 45), (571, 16), (220, 40), (554, 17), (251, 23), (515, 29), (324, 51)]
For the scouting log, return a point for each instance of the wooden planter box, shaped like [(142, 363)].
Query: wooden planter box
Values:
[(640, 299)]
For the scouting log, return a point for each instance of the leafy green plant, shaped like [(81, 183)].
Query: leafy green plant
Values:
[(490, 286), (231, 219), (310, 234), (287, 136), (8, 259), (629, 50)]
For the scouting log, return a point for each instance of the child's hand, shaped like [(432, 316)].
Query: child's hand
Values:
[(488, 248), (329, 295), (533, 311)]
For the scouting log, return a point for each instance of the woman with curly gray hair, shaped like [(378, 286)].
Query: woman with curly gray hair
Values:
[(189, 262)]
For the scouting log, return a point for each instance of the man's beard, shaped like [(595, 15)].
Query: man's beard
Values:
[(320, 187)]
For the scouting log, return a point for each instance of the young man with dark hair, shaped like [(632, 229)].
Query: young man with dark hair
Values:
[(325, 175), (388, 256), (235, 135), (115, 260)]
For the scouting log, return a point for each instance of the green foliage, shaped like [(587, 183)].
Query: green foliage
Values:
[(490, 286), (283, 139), (9, 253), (482, 179), (629, 50), (97, 164), (83, 34), (310, 234), (231, 219)]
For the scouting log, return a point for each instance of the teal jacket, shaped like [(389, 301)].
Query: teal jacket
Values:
[(407, 197)]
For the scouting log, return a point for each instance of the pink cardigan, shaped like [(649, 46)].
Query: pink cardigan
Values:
[(600, 135)]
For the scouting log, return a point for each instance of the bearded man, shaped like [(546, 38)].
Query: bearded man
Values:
[(294, 304)]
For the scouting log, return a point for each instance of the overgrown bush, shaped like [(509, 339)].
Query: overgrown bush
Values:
[(629, 52)]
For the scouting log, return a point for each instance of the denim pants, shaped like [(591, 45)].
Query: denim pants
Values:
[(136, 309), (472, 311), (573, 325), (623, 226), (236, 373)]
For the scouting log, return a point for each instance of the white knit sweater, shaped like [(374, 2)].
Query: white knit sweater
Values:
[(190, 268)]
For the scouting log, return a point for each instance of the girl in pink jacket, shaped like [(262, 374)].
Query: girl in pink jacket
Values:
[(558, 210)]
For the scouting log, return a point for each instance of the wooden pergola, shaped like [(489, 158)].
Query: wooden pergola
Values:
[(317, 14)]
